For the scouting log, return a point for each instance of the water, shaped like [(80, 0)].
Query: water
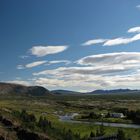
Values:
[(69, 118)]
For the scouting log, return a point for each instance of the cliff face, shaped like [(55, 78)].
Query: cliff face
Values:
[(8, 88)]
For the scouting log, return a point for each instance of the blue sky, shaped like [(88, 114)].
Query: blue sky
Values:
[(78, 45)]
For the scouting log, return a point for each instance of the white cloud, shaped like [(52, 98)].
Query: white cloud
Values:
[(134, 30), (116, 41), (121, 41), (49, 82), (112, 70), (40, 51), (31, 65), (34, 64), (97, 70), (90, 82), (110, 59), (102, 64), (20, 67), (138, 6), (59, 61), (21, 82), (94, 41), (38, 63)]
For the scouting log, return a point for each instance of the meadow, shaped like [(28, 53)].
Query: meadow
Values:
[(54, 105)]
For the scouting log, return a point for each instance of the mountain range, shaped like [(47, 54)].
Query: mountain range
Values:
[(114, 91), (10, 88), (95, 92)]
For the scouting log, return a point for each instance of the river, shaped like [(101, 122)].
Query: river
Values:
[(70, 119)]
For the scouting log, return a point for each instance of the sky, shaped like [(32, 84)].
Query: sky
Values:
[(80, 45)]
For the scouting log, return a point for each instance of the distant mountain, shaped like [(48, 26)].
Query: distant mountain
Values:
[(64, 92), (115, 91), (9, 88)]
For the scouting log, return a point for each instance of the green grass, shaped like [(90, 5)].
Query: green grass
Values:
[(75, 103)]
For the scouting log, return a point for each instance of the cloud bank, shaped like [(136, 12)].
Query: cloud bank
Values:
[(106, 71)]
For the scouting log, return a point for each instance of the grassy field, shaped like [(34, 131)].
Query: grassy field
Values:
[(82, 104)]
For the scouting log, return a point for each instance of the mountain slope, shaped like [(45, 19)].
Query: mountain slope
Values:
[(64, 92), (8, 88), (115, 91), (103, 92)]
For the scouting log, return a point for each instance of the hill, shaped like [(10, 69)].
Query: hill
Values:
[(115, 91), (103, 92), (9, 88), (64, 92)]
